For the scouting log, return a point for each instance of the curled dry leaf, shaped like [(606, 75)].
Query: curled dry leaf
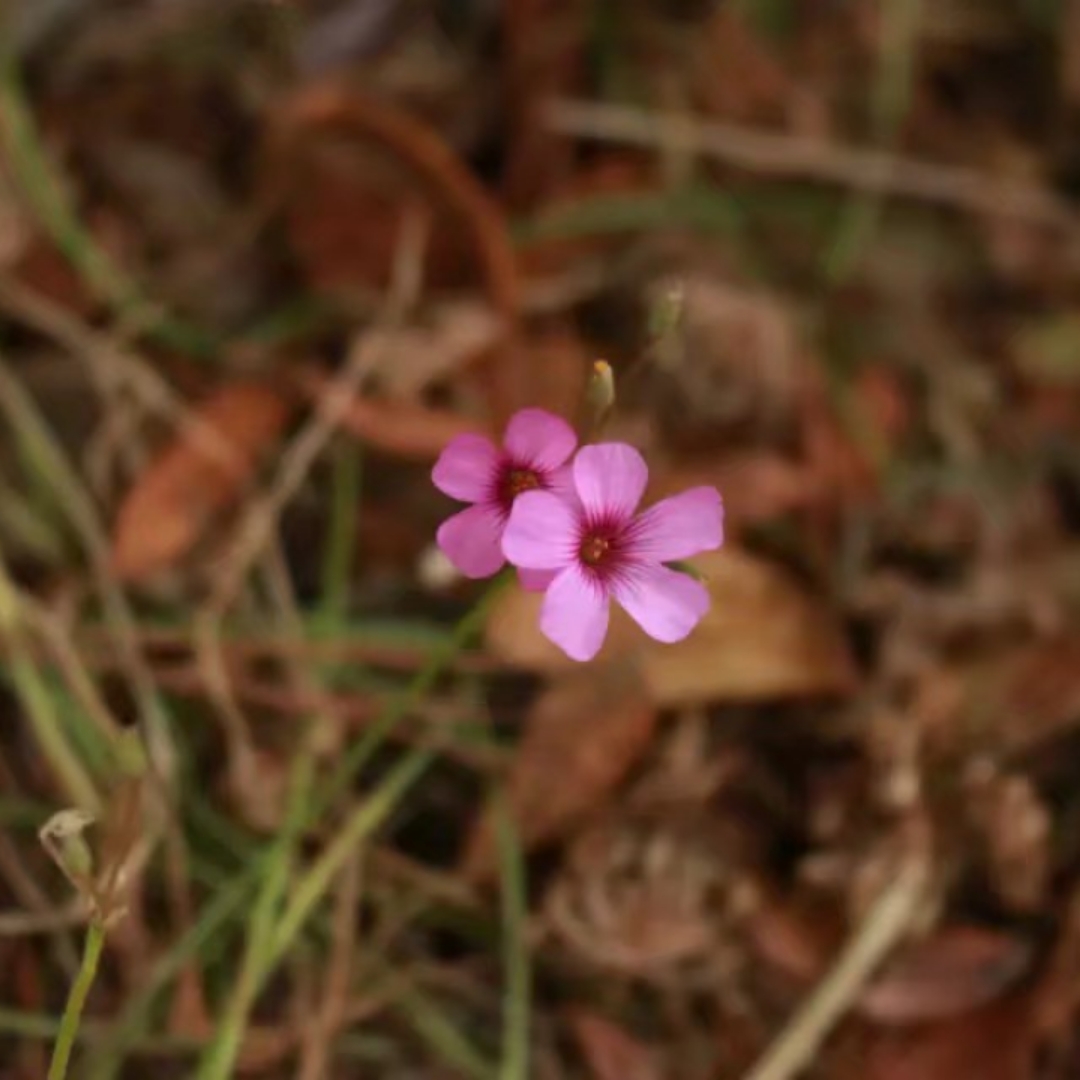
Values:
[(201, 473), (763, 638), (361, 129), (582, 736), (953, 971), (610, 1052)]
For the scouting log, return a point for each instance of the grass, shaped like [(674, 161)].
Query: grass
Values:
[(270, 894)]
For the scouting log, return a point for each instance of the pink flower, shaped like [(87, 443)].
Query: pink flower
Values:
[(536, 447), (600, 550)]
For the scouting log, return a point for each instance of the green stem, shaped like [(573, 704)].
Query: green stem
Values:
[(69, 1022), (220, 1055), (316, 882), (39, 705)]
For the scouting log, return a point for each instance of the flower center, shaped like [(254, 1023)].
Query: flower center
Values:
[(519, 480), (593, 549), (512, 481)]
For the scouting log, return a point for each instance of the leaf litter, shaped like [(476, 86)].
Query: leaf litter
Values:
[(481, 202)]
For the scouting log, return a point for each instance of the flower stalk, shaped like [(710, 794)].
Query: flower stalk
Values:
[(73, 1010)]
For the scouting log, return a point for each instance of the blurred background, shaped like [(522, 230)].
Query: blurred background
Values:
[(261, 259)]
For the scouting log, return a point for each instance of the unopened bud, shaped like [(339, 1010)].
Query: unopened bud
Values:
[(62, 837), (599, 396)]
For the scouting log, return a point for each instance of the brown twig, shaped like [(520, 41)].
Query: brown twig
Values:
[(262, 514), (318, 1039), (797, 157)]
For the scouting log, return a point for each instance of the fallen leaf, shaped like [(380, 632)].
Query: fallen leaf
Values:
[(399, 428), (764, 637), (581, 738), (953, 971), (793, 937), (345, 214), (610, 1052), (1034, 688), (994, 1043), (200, 474), (737, 76)]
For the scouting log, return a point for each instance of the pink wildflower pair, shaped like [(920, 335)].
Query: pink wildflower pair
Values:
[(571, 528)]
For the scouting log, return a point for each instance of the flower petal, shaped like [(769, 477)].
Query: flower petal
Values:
[(466, 468), (575, 614), (471, 540), (610, 479), (536, 580), (676, 528), (541, 533), (667, 605), (538, 438), (561, 482)]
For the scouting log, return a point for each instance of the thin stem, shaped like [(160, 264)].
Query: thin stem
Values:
[(515, 1053), (38, 703), (69, 1022), (220, 1055), (312, 888)]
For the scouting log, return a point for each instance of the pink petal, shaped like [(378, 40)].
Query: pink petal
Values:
[(667, 605), (536, 580), (561, 482), (610, 479), (676, 528), (539, 438), (466, 468), (575, 614), (471, 540), (541, 533)]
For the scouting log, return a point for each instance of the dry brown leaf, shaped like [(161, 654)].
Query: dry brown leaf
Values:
[(201, 473), (764, 637), (994, 1043), (399, 428), (956, 970), (345, 222), (792, 936), (736, 75), (610, 1052), (582, 737)]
